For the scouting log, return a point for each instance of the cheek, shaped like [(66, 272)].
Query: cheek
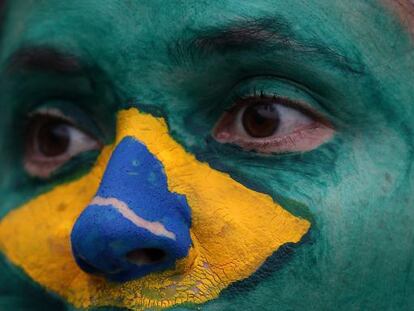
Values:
[(35, 236), (364, 209)]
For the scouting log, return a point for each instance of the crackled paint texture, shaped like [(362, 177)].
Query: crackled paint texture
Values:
[(352, 61)]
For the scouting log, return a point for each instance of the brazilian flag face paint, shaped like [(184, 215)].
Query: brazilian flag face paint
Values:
[(149, 226), (195, 221)]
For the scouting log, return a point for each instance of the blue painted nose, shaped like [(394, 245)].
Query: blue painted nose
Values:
[(134, 226)]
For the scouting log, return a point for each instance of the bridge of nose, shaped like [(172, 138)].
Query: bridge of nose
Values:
[(136, 177), (133, 210)]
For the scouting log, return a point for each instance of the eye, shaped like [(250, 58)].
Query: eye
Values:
[(51, 140), (272, 125)]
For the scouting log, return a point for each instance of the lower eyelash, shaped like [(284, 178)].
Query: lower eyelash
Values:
[(284, 142)]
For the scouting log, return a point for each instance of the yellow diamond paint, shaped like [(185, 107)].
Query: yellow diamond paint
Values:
[(234, 230)]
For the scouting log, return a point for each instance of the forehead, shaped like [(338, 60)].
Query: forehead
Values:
[(131, 25), (129, 34)]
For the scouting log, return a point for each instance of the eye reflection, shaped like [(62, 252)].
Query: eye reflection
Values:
[(260, 120), (53, 137), (272, 125), (51, 140)]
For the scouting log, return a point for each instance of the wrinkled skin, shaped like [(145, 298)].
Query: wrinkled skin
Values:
[(356, 189)]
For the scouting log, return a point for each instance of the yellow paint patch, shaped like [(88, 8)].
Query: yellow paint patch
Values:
[(234, 230)]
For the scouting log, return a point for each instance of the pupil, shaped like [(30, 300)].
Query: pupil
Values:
[(261, 120), (53, 138)]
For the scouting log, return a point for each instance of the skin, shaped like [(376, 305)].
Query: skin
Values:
[(355, 190)]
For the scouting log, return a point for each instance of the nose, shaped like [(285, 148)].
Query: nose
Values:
[(134, 225)]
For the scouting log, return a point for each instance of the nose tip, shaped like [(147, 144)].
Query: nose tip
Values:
[(106, 243), (140, 257), (147, 256), (134, 226)]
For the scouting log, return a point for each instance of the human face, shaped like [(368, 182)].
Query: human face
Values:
[(314, 213)]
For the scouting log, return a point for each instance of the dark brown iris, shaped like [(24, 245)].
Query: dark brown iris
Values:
[(260, 120), (49, 136)]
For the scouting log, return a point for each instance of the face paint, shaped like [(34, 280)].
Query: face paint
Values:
[(234, 229), (350, 61)]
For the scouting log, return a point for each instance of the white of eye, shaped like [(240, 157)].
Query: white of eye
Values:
[(290, 119), (79, 142)]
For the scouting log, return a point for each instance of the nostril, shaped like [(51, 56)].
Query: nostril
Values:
[(87, 267), (146, 256)]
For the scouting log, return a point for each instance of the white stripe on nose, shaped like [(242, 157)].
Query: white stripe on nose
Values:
[(155, 227)]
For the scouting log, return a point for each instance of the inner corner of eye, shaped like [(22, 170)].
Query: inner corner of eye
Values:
[(221, 136)]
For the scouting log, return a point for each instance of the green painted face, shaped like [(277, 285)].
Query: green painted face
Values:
[(343, 67)]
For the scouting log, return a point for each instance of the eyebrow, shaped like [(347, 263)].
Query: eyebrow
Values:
[(43, 58), (265, 35)]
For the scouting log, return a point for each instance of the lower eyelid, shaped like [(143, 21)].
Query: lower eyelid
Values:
[(300, 141)]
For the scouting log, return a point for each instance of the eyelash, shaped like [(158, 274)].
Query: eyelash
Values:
[(248, 97), (254, 93)]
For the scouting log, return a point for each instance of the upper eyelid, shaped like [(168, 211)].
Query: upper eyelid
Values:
[(261, 84), (293, 104), (53, 112)]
